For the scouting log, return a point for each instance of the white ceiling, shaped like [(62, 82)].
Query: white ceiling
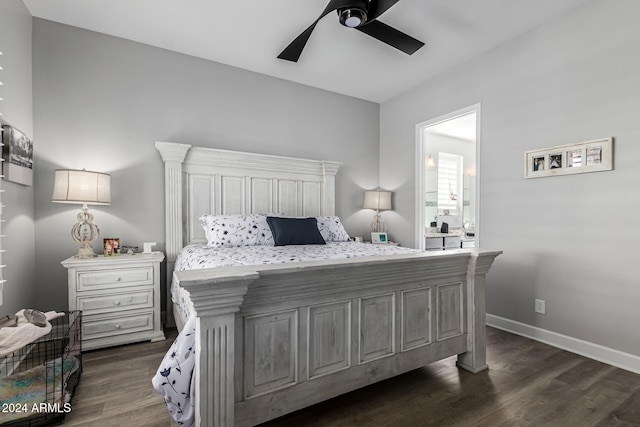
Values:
[(250, 34)]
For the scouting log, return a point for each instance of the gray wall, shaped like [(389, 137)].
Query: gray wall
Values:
[(569, 240), (101, 102), (15, 44)]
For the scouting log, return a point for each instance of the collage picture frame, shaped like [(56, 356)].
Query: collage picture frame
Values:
[(582, 157)]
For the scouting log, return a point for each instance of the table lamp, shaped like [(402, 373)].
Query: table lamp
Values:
[(85, 188), (378, 200)]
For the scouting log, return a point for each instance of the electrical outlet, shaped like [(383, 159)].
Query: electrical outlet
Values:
[(540, 306)]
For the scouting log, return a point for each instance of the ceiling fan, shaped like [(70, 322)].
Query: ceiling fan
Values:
[(361, 15)]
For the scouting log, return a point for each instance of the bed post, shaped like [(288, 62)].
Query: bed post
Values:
[(475, 359), (329, 171), (216, 302), (173, 155)]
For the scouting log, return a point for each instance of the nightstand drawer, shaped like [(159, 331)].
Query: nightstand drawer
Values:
[(117, 302), (97, 328), (114, 278)]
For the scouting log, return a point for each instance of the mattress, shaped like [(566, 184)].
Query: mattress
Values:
[(201, 256)]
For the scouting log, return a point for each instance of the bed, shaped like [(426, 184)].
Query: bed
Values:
[(270, 339)]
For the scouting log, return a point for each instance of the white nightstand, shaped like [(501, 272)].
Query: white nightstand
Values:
[(119, 297)]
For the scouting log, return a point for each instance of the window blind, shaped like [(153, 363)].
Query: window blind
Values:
[(449, 183), (2, 280)]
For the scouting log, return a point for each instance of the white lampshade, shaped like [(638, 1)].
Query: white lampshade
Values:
[(81, 187), (377, 200)]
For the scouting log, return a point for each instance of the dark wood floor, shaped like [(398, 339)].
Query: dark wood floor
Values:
[(528, 384)]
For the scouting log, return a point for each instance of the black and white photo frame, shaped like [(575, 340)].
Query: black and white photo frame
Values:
[(582, 157), (17, 153)]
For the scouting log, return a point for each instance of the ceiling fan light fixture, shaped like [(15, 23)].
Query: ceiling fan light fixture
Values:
[(363, 16), (352, 17)]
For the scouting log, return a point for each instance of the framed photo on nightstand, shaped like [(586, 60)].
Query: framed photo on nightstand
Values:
[(111, 246), (379, 237)]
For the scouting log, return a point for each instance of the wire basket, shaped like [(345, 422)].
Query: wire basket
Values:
[(38, 381)]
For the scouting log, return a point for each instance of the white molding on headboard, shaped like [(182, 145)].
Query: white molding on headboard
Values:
[(263, 162), (306, 186)]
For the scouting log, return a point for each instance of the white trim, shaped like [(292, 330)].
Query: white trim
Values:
[(620, 359), (420, 156)]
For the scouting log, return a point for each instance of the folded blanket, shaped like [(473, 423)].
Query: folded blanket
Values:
[(16, 337)]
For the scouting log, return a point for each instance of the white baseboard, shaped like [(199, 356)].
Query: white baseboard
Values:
[(588, 349)]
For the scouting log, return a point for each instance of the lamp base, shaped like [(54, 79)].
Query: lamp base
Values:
[(377, 225), (85, 253), (85, 232)]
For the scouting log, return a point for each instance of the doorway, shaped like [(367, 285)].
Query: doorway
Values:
[(447, 169)]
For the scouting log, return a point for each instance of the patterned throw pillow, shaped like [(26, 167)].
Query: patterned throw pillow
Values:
[(236, 230), (332, 229)]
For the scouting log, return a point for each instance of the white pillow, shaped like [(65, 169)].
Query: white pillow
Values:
[(236, 230), (332, 229)]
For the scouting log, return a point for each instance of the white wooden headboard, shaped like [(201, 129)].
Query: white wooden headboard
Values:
[(210, 181)]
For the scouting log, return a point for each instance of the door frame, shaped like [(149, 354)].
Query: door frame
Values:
[(421, 153)]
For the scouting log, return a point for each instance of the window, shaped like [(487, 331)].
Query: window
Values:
[(1, 190), (449, 184)]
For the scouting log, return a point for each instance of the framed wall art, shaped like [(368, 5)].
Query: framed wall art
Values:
[(17, 153), (581, 157)]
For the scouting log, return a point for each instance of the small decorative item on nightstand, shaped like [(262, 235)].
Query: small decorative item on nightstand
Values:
[(111, 246), (130, 250), (119, 298), (379, 238)]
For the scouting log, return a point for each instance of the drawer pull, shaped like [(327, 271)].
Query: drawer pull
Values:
[(117, 326), (118, 279), (117, 303)]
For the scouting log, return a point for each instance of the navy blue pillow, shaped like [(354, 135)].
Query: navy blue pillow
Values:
[(295, 231)]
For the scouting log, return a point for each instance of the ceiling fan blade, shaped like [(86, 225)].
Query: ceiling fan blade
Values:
[(391, 36), (293, 51), (378, 7)]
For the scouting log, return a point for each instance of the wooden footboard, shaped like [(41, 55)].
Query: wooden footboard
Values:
[(277, 338)]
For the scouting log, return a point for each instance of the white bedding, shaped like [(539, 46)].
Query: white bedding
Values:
[(201, 256)]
